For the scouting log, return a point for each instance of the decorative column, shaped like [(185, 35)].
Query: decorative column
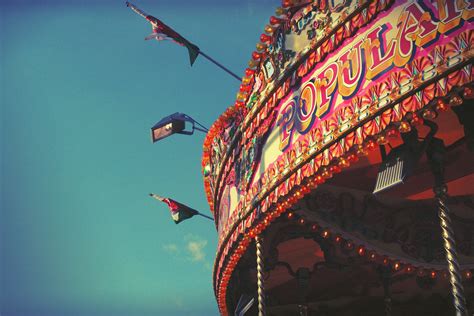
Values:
[(261, 287), (436, 157), (457, 288)]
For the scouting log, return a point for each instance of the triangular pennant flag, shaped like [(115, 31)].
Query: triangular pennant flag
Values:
[(179, 212), (162, 31)]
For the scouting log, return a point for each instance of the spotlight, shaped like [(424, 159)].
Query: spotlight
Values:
[(174, 124), (402, 160)]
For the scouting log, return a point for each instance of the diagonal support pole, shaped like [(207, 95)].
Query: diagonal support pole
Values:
[(205, 216), (219, 65)]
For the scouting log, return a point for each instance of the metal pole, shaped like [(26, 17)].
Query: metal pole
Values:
[(201, 127), (261, 287), (436, 152), (220, 65), (451, 255), (208, 217), (436, 156)]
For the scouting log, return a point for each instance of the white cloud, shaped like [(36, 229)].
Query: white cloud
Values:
[(191, 249), (195, 248)]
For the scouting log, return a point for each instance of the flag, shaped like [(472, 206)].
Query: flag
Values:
[(161, 31), (179, 212)]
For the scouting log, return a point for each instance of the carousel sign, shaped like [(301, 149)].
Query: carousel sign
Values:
[(393, 43)]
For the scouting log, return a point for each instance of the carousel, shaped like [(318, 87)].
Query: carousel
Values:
[(342, 179)]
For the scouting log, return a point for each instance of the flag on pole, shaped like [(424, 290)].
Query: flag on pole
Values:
[(179, 212), (161, 31)]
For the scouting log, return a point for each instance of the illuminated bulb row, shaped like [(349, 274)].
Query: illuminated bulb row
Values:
[(246, 85), (335, 167), (226, 275), (215, 129), (440, 105), (258, 55), (362, 251)]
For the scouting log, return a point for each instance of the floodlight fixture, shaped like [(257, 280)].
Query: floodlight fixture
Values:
[(175, 124), (400, 163), (395, 167)]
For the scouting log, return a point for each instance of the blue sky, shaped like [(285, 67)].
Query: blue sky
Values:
[(80, 89)]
